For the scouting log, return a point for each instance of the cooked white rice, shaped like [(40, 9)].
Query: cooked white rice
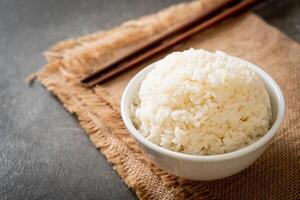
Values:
[(202, 103)]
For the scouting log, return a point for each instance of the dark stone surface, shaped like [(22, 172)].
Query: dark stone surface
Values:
[(44, 154)]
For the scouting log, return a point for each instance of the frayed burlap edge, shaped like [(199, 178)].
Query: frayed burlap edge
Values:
[(133, 171), (128, 161)]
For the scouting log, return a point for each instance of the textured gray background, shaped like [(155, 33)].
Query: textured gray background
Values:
[(44, 154)]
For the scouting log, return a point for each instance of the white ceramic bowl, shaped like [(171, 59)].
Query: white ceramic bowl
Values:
[(209, 167)]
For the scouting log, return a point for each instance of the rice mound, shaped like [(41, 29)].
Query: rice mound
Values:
[(202, 103)]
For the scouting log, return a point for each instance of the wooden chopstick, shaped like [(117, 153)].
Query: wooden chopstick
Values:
[(156, 45), (89, 80)]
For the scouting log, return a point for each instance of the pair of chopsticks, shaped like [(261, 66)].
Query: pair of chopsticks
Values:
[(175, 35)]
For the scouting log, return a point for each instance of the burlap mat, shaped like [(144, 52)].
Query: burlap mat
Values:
[(276, 175)]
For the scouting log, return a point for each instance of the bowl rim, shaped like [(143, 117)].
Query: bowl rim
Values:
[(203, 158)]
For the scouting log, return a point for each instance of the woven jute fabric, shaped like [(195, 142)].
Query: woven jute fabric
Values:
[(275, 175)]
